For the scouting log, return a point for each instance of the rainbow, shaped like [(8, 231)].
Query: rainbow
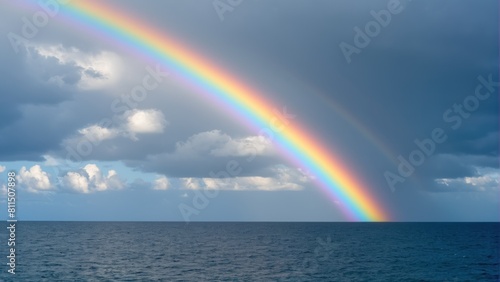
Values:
[(247, 104)]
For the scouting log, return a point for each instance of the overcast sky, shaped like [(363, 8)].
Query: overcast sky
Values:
[(406, 92)]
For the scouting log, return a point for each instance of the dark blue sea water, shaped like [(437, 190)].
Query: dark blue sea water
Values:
[(119, 251)]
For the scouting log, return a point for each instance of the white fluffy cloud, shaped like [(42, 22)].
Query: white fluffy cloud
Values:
[(34, 179), (284, 179), (161, 183), (218, 144), (129, 125), (487, 180), (97, 133), (95, 71), (91, 179), (2, 169), (77, 182), (251, 145), (145, 121), (192, 183)]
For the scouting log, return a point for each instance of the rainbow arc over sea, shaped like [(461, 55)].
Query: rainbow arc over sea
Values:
[(331, 174)]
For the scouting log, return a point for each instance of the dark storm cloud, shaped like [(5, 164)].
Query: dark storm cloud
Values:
[(412, 74), (20, 89)]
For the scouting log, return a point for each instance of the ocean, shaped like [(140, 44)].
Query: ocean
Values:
[(166, 251)]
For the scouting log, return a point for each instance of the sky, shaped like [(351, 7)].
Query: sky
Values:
[(405, 92)]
